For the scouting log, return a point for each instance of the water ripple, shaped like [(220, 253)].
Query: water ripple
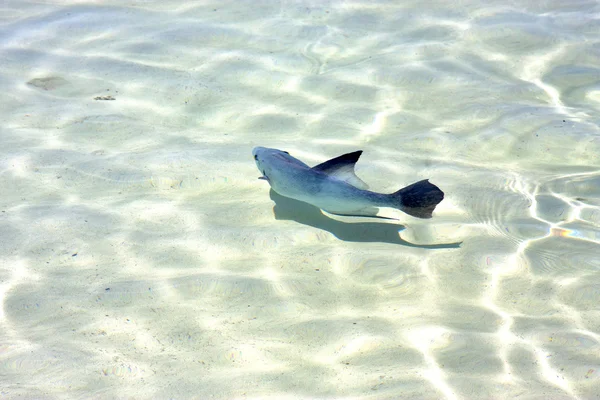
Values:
[(141, 256)]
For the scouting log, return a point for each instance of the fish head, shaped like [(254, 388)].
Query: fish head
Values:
[(270, 161)]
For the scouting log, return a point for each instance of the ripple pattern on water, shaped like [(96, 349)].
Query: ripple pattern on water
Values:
[(140, 256)]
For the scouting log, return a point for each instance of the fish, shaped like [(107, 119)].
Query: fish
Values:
[(334, 187)]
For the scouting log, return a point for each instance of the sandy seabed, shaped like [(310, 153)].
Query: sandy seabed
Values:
[(141, 258)]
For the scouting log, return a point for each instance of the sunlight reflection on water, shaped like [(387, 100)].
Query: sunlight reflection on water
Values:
[(141, 257)]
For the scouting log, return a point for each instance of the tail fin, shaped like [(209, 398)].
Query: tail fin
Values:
[(418, 199)]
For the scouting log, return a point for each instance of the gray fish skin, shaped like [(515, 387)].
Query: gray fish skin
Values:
[(327, 186)]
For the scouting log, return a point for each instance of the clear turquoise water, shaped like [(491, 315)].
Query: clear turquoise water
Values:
[(141, 258)]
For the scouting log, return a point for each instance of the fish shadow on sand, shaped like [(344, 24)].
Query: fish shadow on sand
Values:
[(306, 214)]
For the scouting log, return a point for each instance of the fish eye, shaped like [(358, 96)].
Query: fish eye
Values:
[(255, 157)]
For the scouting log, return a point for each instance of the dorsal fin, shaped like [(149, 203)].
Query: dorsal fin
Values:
[(342, 168)]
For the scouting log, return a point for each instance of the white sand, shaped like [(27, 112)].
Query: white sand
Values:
[(140, 257)]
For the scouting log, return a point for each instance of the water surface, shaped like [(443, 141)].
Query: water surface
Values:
[(140, 256)]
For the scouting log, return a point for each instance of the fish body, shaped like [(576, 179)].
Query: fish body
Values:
[(334, 187)]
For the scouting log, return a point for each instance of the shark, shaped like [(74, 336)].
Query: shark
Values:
[(334, 187)]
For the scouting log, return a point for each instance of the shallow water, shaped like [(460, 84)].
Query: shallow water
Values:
[(141, 258)]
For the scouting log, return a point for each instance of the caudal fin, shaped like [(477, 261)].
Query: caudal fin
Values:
[(418, 199)]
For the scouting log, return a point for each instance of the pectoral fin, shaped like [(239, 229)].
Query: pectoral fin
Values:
[(265, 177), (342, 168)]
